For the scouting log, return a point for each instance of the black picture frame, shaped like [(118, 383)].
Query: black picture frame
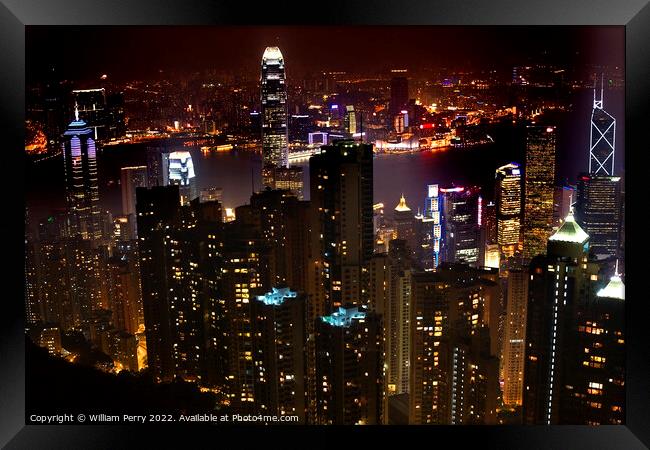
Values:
[(15, 15)]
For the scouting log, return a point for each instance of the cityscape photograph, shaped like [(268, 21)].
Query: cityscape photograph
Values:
[(325, 225)]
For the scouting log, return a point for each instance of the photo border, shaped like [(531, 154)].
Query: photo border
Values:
[(15, 15)]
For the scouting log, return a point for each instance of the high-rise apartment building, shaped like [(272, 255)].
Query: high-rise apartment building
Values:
[(341, 203)]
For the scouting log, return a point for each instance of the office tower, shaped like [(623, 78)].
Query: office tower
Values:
[(348, 368), (598, 212), (453, 377), (157, 209), (404, 221), (290, 178), (275, 150), (181, 173), (341, 202), (538, 189), (563, 199), (130, 179), (351, 125), (429, 230), (514, 340), (508, 201), (602, 138), (488, 233), (278, 323), (461, 210), (92, 107), (399, 95), (82, 187), (560, 285)]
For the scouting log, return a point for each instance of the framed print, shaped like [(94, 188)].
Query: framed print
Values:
[(347, 221)]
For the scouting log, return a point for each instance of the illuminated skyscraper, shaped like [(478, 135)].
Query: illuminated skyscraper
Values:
[(181, 173), (560, 286), (429, 229), (461, 208), (341, 202), (279, 352), (598, 210), (274, 112), (508, 201), (602, 138), (348, 368), (514, 340), (453, 376), (538, 193), (82, 187), (598, 376)]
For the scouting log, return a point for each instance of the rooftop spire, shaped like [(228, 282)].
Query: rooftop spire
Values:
[(402, 206), (76, 112)]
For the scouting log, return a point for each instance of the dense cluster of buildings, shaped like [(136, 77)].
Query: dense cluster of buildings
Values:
[(468, 310)]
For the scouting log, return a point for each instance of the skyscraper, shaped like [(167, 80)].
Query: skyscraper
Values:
[(278, 322), (598, 210), (560, 286), (453, 377), (538, 193), (602, 137), (157, 209), (461, 209), (508, 201), (348, 368), (82, 187), (399, 94), (429, 230), (130, 179), (181, 173), (274, 113), (341, 202), (598, 374), (514, 340)]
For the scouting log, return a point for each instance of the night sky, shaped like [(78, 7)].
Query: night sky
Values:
[(127, 53)]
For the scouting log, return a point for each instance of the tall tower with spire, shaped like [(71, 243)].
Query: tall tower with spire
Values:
[(602, 141), (81, 181), (275, 139)]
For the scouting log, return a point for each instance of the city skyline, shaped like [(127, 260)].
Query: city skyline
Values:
[(313, 298)]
